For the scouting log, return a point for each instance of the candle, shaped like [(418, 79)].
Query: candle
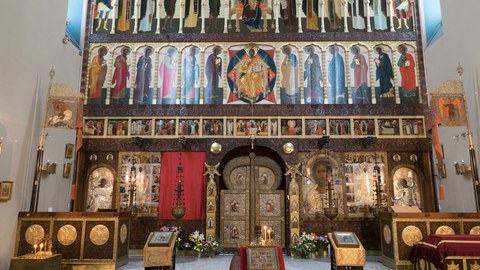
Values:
[(265, 229), (35, 249), (41, 246), (269, 238)]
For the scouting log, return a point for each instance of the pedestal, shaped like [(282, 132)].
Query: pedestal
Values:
[(28, 262), (346, 254), (157, 255)]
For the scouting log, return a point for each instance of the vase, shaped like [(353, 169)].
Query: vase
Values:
[(310, 255), (319, 253), (199, 255), (325, 253)]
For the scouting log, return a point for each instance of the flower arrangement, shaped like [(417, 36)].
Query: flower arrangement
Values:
[(212, 247), (321, 242), (201, 245), (308, 244), (196, 239)]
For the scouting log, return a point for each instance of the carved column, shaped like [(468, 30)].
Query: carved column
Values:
[(390, 16), (159, 5), (299, 8), (180, 27), (345, 13), (211, 201), (322, 17), (135, 16), (204, 11), (114, 12), (252, 205), (367, 8)]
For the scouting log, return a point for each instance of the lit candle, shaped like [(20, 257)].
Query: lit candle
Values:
[(41, 246), (265, 229), (35, 249), (269, 238)]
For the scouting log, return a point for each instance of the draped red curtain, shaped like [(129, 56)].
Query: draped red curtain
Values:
[(193, 164)]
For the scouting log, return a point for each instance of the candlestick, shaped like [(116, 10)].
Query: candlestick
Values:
[(265, 229)]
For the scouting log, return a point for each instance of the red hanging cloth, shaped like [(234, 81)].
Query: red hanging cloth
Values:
[(193, 164)]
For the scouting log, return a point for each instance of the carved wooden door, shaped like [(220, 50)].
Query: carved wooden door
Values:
[(252, 197)]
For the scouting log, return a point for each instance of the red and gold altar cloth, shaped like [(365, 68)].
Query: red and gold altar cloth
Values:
[(435, 248)]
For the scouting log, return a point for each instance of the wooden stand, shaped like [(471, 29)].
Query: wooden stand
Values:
[(343, 256), (27, 262), (157, 256)]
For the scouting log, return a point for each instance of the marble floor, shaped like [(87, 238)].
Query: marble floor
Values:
[(222, 262)]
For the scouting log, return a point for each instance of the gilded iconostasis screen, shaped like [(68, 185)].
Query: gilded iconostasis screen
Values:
[(257, 70)]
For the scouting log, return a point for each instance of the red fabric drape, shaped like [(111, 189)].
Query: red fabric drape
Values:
[(193, 164)]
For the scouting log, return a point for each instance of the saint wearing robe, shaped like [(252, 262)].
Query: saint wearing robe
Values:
[(336, 78), (384, 74), (252, 13), (288, 11), (125, 13), (167, 75), (379, 10), (289, 88), (313, 77), (120, 77), (98, 73), (192, 12), (213, 73), (147, 9), (190, 78), (361, 92), (406, 64), (310, 8), (144, 77)]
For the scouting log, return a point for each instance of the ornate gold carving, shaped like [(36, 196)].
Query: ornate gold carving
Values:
[(235, 204), (449, 87), (387, 234), (123, 233), (34, 234), (63, 90), (66, 235), (453, 266), (99, 235), (475, 266), (270, 205), (475, 230), (411, 235), (444, 230)]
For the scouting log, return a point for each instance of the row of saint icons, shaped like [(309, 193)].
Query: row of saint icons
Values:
[(251, 13)]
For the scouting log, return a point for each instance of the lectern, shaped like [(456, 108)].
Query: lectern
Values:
[(347, 251)]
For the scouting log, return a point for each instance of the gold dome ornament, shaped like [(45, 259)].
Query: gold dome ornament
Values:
[(215, 148), (288, 148)]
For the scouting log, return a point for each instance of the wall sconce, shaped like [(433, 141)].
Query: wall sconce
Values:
[(50, 168), (65, 40), (461, 169)]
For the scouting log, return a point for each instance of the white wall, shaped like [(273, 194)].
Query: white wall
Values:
[(31, 43), (459, 44)]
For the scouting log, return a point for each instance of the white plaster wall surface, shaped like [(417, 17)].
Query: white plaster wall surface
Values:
[(30, 44), (459, 44)]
